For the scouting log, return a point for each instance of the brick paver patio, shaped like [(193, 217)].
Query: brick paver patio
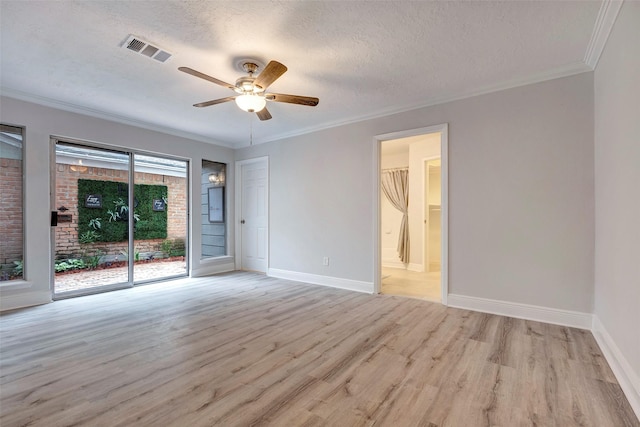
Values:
[(85, 279)]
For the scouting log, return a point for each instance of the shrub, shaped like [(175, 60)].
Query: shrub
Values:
[(69, 264), (17, 270), (178, 248)]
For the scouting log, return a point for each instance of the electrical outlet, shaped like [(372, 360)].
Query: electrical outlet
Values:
[(325, 260)]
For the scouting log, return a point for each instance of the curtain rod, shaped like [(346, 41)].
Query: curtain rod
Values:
[(406, 168)]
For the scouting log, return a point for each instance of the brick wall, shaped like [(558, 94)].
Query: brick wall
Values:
[(67, 195), (11, 234)]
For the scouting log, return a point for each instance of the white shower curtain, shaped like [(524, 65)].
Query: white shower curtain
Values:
[(395, 185)]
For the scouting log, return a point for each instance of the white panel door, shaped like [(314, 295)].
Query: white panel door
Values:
[(254, 219)]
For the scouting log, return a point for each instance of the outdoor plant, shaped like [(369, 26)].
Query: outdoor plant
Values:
[(89, 257), (88, 237), (178, 248), (69, 264), (95, 223), (121, 211), (92, 261), (113, 215), (136, 254), (19, 266), (166, 247), (11, 272), (17, 270), (121, 207)]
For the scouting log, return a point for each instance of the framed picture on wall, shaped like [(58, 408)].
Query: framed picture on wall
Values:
[(216, 204)]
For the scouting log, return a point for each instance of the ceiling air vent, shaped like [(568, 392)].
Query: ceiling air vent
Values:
[(145, 48)]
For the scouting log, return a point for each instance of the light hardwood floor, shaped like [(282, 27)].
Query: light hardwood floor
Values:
[(243, 349), (398, 281)]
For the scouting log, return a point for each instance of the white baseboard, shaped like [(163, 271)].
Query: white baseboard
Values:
[(394, 264), (316, 279), (573, 319), (628, 379), (214, 268), (27, 299), (415, 267)]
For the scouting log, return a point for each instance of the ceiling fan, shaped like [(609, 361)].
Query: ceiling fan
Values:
[(251, 90)]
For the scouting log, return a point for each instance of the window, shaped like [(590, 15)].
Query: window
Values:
[(214, 225), (11, 203)]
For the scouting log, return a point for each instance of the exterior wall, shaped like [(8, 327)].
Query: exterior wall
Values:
[(11, 226), (67, 195)]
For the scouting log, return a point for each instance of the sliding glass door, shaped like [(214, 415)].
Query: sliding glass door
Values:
[(160, 218), (90, 246), (110, 234)]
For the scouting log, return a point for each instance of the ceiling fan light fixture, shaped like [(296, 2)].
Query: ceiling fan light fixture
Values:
[(251, 103), (246, 85), (252, 96)]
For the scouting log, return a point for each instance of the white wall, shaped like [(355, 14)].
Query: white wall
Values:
[(320, 198), (617, 197), (43, 122), (532, 146)]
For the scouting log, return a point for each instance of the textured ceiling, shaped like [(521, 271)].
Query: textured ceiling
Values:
[(362, 59)]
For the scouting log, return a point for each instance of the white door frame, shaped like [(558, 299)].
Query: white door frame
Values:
[(238, 210), (444, 213), (425, 213)]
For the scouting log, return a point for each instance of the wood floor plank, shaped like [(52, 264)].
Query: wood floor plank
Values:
[(242, 349)]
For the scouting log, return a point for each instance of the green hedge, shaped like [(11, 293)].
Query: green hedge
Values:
[(151, 224)]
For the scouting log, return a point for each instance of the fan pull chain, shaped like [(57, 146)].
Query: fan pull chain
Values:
[(251, 130)]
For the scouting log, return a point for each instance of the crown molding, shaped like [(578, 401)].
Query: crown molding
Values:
[(85, 111), (607, 15), (564, 71)]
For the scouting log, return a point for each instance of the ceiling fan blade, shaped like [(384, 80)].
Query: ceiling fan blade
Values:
[(270, 74), (264, 114), (292, 99), (205, 77), (214, 102)]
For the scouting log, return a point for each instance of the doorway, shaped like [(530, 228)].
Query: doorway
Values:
[(252, 209), (418, 267), (119, 218)]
